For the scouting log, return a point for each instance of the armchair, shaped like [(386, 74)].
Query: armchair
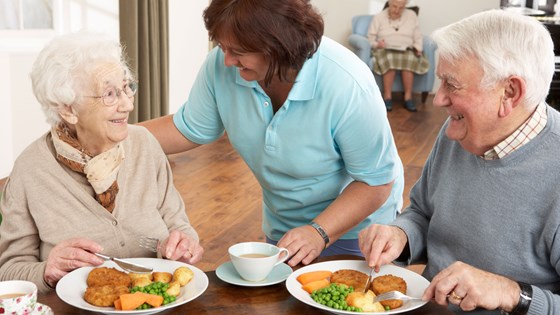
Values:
[(359, 43)]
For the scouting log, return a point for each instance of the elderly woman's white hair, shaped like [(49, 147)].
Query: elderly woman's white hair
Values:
[(64, 66), (505, 44)]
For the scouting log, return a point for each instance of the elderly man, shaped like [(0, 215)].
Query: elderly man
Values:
[(485, 214)]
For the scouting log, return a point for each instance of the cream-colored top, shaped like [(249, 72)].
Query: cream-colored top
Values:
[(45, 203), (403, 32)]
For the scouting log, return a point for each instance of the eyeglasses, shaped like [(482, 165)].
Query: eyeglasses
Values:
[(112, 95)]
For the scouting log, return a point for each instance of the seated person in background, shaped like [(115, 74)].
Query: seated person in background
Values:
[(396, 43), (92, 183), (485, 214)]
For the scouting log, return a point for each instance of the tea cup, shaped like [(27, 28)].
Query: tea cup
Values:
[(255, 260), (18, 296)]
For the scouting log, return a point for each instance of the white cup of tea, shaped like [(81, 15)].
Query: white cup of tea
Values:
[(18, 297), (255, 260)]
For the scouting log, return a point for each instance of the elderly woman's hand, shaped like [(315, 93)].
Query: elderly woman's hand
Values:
[(469, 288), (69, 255), (381, 244), (180, 246)]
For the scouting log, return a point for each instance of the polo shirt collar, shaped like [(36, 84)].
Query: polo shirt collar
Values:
[(306, 80)]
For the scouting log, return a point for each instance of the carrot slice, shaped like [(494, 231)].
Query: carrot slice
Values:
[(316, 285), (118, 305), (311, 276), (131, 301), (154, 299)]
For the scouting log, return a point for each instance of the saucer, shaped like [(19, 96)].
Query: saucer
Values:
[(227, 273)]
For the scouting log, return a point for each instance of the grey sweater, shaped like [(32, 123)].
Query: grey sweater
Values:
[(502, 216), (45, 203)]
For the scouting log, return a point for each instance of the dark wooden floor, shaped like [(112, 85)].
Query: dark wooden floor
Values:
[(223, 198)]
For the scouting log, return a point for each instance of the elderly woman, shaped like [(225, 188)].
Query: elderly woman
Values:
[(92, 183), (396, 43)]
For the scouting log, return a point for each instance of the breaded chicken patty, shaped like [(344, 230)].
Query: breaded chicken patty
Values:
[(107, 276), (104, 295), (388, 283), (351, 278)]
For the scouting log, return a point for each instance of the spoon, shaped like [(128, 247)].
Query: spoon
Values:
[(126, 265)]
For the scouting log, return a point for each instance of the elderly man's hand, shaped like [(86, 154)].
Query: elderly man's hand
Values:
[(469, 288), (381, 244), (180, 246), (69, 255), (303, 243)]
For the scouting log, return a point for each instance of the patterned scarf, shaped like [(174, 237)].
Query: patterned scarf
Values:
[(100, 170)]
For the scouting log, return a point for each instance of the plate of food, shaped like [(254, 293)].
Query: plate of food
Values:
[(184, 283), (354, 273)]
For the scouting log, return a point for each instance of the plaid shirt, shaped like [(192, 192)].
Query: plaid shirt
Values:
[(525, 133)]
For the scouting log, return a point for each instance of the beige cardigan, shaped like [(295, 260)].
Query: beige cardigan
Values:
[(45, 203), (408, 35)]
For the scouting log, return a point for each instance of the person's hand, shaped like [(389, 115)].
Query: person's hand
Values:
[(469, 288), (417, 52), (381, 244), (303, 243), (69, 255), (381, 44), (179, 246)]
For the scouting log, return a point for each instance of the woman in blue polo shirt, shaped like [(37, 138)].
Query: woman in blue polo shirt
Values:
[(305, 115)]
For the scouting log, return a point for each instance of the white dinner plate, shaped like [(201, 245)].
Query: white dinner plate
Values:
[(416, 284), (227, 273), (71, 288)]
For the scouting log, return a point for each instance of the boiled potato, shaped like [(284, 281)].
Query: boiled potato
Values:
[(133, 276), (141, 282), (174, 289), (364, 301), (183, 275), (164, 277)]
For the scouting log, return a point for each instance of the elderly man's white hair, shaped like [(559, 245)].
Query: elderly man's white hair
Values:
[(505, 44), (63, 67)]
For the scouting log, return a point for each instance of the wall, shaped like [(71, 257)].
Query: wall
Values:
[(21, 120), (188, 48), (433, 14)]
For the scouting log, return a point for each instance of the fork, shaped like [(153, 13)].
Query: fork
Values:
[(150, 243), (394, 295), (368, 282)]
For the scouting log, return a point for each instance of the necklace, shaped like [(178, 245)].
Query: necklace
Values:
[(394, 24)]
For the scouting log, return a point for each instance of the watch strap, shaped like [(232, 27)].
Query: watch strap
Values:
[(525, 298), (321, 232)]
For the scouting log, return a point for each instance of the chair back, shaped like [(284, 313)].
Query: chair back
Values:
[(360, 24)]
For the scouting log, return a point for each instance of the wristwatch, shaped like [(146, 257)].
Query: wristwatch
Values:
[(321, 232), (525, 297)]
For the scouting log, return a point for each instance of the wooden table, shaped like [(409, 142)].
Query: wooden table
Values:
[(224, 298)]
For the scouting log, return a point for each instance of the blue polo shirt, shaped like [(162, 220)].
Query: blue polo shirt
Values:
[(331, 130)]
